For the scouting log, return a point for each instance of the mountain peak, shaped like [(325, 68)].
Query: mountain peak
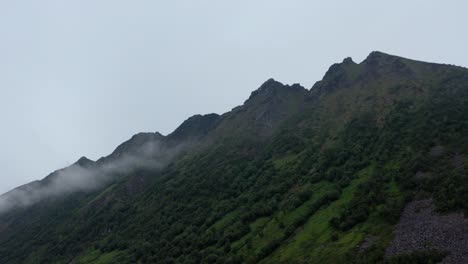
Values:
[(272, 88), (268, 86), (378, 57), (270, 82), (195, 126), (378, 54), (84, 162), (376, 64), (135, 143), (338, 75), (348, 61), (380, 64)]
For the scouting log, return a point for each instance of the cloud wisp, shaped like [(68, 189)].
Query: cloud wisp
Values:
[(86, 175)]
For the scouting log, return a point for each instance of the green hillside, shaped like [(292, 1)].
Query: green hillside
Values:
[(291, 176)]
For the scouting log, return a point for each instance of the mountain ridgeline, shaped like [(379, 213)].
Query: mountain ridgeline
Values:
[(330, 174)]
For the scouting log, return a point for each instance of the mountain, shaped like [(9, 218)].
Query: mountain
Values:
[(367, 166)]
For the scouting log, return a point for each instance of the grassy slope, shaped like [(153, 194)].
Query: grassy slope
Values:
[(312, 242)]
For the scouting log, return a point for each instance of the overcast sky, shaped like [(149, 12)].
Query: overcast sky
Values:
[(77, 78)]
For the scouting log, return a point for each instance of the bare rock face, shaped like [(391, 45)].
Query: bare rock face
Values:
[(422, 229)]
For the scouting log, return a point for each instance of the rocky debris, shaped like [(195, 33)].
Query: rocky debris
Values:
[(422, 229)]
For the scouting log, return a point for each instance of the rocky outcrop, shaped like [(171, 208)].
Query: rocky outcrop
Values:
[(195, 127)]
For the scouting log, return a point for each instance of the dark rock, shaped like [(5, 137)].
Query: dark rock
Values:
[(195, 127), (379, 64), (84, 162), (348, 61), (134, 145)]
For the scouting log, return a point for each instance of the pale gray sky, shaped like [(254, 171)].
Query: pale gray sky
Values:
[(79, 77)]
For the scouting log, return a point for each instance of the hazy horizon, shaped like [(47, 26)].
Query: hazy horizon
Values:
[(81, 77)]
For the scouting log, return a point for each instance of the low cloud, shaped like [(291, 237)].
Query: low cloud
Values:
[(87, 175)]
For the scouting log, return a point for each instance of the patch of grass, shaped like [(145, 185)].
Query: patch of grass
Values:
[(313, 242), (267, 229), (225, 221), (285, 162), (97, 257)]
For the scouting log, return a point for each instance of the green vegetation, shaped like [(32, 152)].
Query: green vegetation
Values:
[(332, 171), (98, 257)]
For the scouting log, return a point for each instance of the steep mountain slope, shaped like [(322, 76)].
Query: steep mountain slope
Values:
[(291, 176)]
